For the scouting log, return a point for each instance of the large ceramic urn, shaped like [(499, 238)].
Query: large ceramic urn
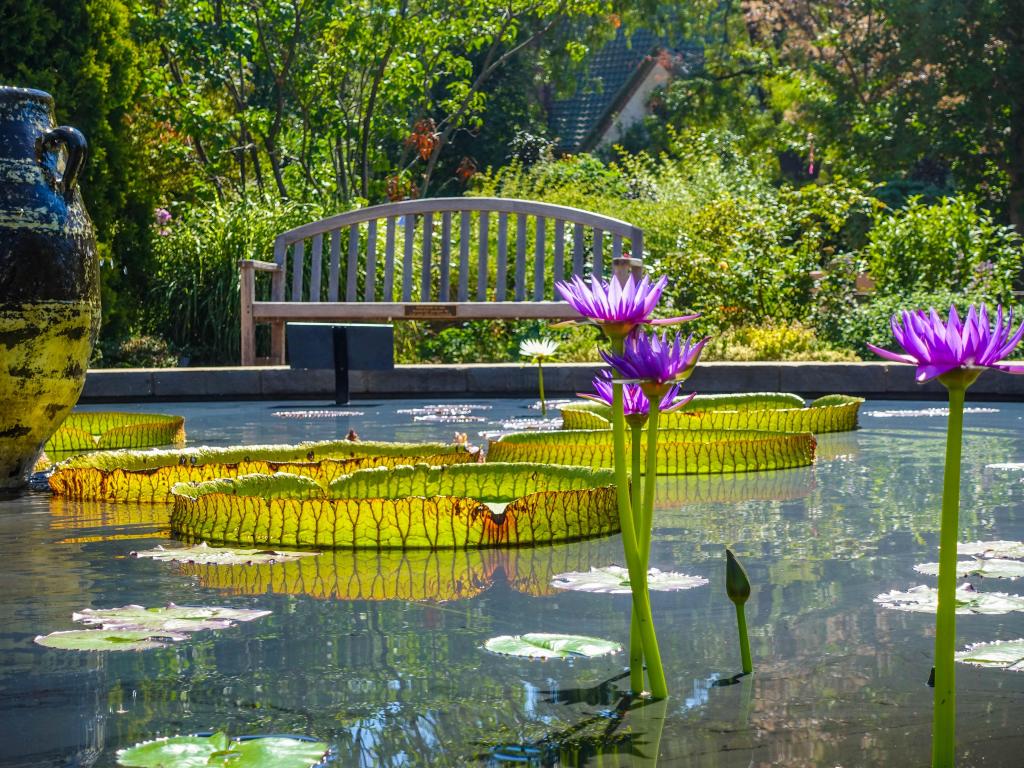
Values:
[(49, 278)]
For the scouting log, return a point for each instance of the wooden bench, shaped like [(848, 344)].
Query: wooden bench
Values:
[(456, 258)]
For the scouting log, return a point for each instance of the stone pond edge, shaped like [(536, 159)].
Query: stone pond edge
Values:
[(870, 379)]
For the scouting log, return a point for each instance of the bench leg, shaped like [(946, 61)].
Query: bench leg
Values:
[(277, 342), (246, 292)]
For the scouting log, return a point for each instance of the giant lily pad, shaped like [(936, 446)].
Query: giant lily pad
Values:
[(997, 549), (542, 645), (768, 411), (421, 507), (204, 554), (680, 451), (994, 568), (1004, 654), (925, 599), (105, 429), (172, 618), (219, 750), (614, 580), (149, 475), (108, 639)]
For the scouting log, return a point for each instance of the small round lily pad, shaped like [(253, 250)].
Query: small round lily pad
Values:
[(172, 618), (107, 640), (925, 599), (204, 554), (542, 645), (1004, 654), (988, 549), (994, 568), (614, 580), (219, 750)]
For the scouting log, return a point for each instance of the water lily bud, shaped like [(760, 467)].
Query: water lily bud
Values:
[(737, 585)]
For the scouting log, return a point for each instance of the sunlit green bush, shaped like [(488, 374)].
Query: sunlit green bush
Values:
[(194, 301), (951, 245)]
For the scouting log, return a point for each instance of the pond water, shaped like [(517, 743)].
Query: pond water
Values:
[(839, 681)]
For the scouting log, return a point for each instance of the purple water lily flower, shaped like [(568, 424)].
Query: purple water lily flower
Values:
[(649, 358), (937, 347), (618, 307), (635, 402)]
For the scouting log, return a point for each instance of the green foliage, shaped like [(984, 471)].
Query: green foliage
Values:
[(869, 322), (83, 52), (773, 341), (193, 288), (951, 245)]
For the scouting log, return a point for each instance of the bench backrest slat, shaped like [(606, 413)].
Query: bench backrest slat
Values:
[(465, 221), (298, 266), (539, 282), (559, 265), (520, 294), (352, 263), (446, 255), (426, 270), (501, 279), (410, 242), (389, 261), (314, 274), (482, 266), (550, 243), (334, 266), (371, 261)]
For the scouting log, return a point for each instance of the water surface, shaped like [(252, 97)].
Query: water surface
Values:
[(355, 655)]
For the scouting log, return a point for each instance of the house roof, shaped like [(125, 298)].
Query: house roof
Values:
[(612, 74)]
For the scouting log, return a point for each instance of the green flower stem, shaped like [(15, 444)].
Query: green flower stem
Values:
[(636, 653), (540, 384), (626, 524), (944, 718), (637, 575), (636, 446), (741, 623), (649, 486)]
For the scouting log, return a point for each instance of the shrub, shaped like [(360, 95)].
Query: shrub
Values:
[(949, 246), (136, 352), (869, 322), (194, 300), (773, 341)]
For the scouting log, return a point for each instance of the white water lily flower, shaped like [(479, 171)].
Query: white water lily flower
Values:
[(538, 348)]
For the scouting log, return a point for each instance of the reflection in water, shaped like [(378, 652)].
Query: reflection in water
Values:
[(401, 681)]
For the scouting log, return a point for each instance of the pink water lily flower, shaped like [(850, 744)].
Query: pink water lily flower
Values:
[(635, 402), (616, 306), (648, 358), (938, 347)]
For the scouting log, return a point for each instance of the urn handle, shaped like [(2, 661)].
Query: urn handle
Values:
[(76, 145)]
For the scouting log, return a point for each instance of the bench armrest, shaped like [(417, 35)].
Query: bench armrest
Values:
[(261, 266)]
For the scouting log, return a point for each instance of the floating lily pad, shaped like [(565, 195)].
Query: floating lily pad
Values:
[(421, 507), (925, 599), (1004, 654), (992, 549), (219, 750), (766, 411), (680, 451), (993, 568), (541, 645), (107, 640), (204, 554), (172, 618), (88, 431), (148, 476), (614, 580)]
